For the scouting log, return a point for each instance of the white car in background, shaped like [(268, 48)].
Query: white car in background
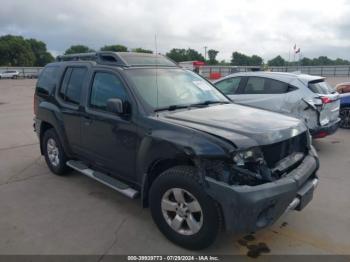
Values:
[(9, 74)]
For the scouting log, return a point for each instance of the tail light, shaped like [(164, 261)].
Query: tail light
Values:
[(320, 134), (326, 100)]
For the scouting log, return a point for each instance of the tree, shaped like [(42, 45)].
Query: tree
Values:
[(141, 50), (194, 55), (239, 59), (42, 56), (176, 54), (114, 48), (277, 61), (212, 57), (77, 49), (180, 55), (256, 60), (323, 60), (15, 51)]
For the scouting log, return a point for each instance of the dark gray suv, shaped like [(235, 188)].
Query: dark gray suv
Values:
[(145, 127)]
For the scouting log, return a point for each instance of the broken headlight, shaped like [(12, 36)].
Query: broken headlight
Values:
[(250, 167), (252, 155)]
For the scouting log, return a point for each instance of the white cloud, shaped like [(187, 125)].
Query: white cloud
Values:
[(266, 28)]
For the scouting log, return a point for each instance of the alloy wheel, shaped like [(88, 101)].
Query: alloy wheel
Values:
[(182, 211)]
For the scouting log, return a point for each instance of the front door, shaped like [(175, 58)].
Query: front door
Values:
[(108, 140)]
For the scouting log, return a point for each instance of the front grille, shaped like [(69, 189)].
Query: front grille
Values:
[(275, 152)]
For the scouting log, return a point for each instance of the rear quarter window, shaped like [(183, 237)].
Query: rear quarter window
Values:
[(47, 79), (321, 87)]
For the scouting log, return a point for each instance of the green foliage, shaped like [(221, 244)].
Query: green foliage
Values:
[(15, 51), (256, 60), (141, 50), (212, 57), (77, 49), (323, 60), (42, 56), (239, 59), (277, 61), (224, 63), (114, 48), (180, 55)]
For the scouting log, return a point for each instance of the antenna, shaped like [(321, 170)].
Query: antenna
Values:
[(156, 49)]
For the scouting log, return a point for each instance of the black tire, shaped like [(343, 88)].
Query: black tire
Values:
[(61, 168), (184, 177), (344, 116)]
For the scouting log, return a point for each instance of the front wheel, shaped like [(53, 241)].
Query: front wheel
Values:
[(182, 210), (345, 117)]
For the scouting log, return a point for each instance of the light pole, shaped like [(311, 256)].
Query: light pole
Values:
[(205, 53)]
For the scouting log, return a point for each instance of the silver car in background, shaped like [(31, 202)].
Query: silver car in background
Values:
[(306, 97), (9, 74)]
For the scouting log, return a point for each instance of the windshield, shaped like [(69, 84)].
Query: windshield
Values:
[(176, 87)]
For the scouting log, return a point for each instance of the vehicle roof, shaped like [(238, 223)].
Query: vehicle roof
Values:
[(281, 76), (121, 59)]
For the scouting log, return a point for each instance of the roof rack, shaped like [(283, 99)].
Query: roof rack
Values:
[(106, 57), (125, 59)]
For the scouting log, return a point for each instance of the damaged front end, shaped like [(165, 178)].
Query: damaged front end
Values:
[(259, 165), (257, 185)]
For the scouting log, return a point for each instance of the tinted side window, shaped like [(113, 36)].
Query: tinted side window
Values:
[(229, 86), (47, 79), (104, 87), (276, 87), (321, 87), (72, 84), (260, 85), (255, 85)]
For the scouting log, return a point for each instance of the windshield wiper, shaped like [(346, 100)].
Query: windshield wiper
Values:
[(171, 108), (210, 102)]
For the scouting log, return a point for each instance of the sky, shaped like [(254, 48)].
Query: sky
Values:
[(263, 27)]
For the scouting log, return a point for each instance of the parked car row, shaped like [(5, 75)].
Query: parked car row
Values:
[(149, 129), (305, 97), (14, 74)]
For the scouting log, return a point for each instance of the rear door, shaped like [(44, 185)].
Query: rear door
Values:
[(263, 93), (69, 96), (327, 101)]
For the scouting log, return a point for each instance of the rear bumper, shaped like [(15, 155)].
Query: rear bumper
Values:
[(323, 131), (250, 208)]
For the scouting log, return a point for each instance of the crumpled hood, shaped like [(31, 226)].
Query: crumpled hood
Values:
[(244, 126)]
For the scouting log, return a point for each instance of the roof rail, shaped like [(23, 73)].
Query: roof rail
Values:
[(103, 57), (125, 59)]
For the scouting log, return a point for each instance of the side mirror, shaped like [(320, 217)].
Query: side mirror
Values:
[(115, 105)]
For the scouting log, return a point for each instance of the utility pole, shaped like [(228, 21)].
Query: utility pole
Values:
[(205, 53)]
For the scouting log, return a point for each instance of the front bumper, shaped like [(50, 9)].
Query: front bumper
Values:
[(250, 208), (326, 130)]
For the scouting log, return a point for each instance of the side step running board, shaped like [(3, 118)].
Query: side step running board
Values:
[(103, 178)]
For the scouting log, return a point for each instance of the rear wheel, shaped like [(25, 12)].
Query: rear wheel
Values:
[(345, 117), (182, 210), (54, 154)]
